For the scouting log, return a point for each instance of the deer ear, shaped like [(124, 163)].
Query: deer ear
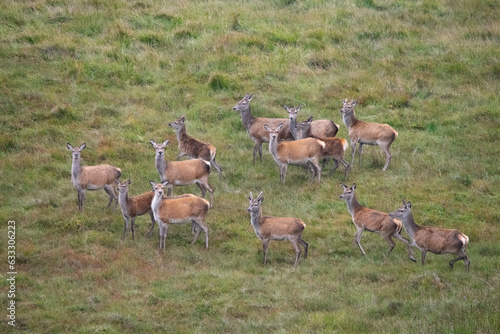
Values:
[(300, 107), (166, 142), (152, 142), (117, 181), (129, 182), (260, 198), (280, 126), (287, 109), (310, 119), (353, 186), (83, 146), (343, 186), (355, 103), (250, 97), (152, 184), (408, 205), (68, 145), (267, 127)]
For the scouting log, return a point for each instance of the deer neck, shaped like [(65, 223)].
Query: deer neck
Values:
[(181, 134), (410, 226), (247, 118), (255, 220), (353, 206), (293, 129), (76, 168), (161, 165), (156, 206), (349, 119), (273, 147), (124, 201)]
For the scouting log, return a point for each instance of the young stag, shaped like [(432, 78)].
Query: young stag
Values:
[(432, 239), (177, 210), (255, 128), (182, 173), (276, 228), (367, 133), (134, 206), (92, 177), (193, 148), (373, 221), (298, 152), (322, 128), (335, 147)]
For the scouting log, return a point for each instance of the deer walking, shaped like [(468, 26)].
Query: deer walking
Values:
[(92, 177), (182, 173), (335, 147), (298, 152), (432, 239), (365, 133), (134, 206), (276, 228), (193, 148), (177, 210), (255, 128), (373, 221), (322, 128)]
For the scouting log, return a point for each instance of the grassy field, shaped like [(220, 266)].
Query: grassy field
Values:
[(114, 73)]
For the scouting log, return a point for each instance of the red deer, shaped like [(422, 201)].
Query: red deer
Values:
[(255, 128), (322, 128), (432, 239), (276, 228), (373, 221), (193, 148), (363, 133), (298, 152), (335, 147), (134, 206), (92, 177), (178, 210), (182, 173)]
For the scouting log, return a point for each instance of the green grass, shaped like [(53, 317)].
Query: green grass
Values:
[(113, 74)]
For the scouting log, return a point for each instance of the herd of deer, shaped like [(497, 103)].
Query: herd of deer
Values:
[(305, 143)]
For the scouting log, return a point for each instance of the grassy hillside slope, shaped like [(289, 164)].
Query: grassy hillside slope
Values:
[(114, 73)]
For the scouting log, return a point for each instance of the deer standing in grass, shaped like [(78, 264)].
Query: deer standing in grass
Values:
[(365, 133), (432, 239), (276, 228), (322, 128), (182, 173), (335, 147), (255, 128), (193, 148), (373, 221), (298, 152), (134, 206), (92, 177), (177, 210)]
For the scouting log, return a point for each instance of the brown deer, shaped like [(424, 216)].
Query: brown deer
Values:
[(335, 147), (193, 148), (322, 128), (255, 128), (276, 228), (182, 173), (432, 239), (92, 177), (363, 133), (298, 152), (373, 221), (134, 206), (177, 210)]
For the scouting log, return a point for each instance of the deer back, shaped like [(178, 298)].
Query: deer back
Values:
[(96, 177), (323, 128), (300, 150), (440, 240), (185, 171), (369, 133), (177, 210)]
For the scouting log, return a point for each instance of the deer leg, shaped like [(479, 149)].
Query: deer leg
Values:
[(202, 188), (163, 234), (360, 151), (180, 155), (353, 151), (424, 254), (283, 169), (305, 245), (217, 167), (111, 193), (346, 167), (407, 242), (208, 187), (81, 199), (297, 251), (152, 223), (197, 230), (265, 245), (201, 226), (257, 148), (392, 244), (335, 166), (385, 149), (132, 226), (462, 256), (125, 226), (357, 239), (169, 189)]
